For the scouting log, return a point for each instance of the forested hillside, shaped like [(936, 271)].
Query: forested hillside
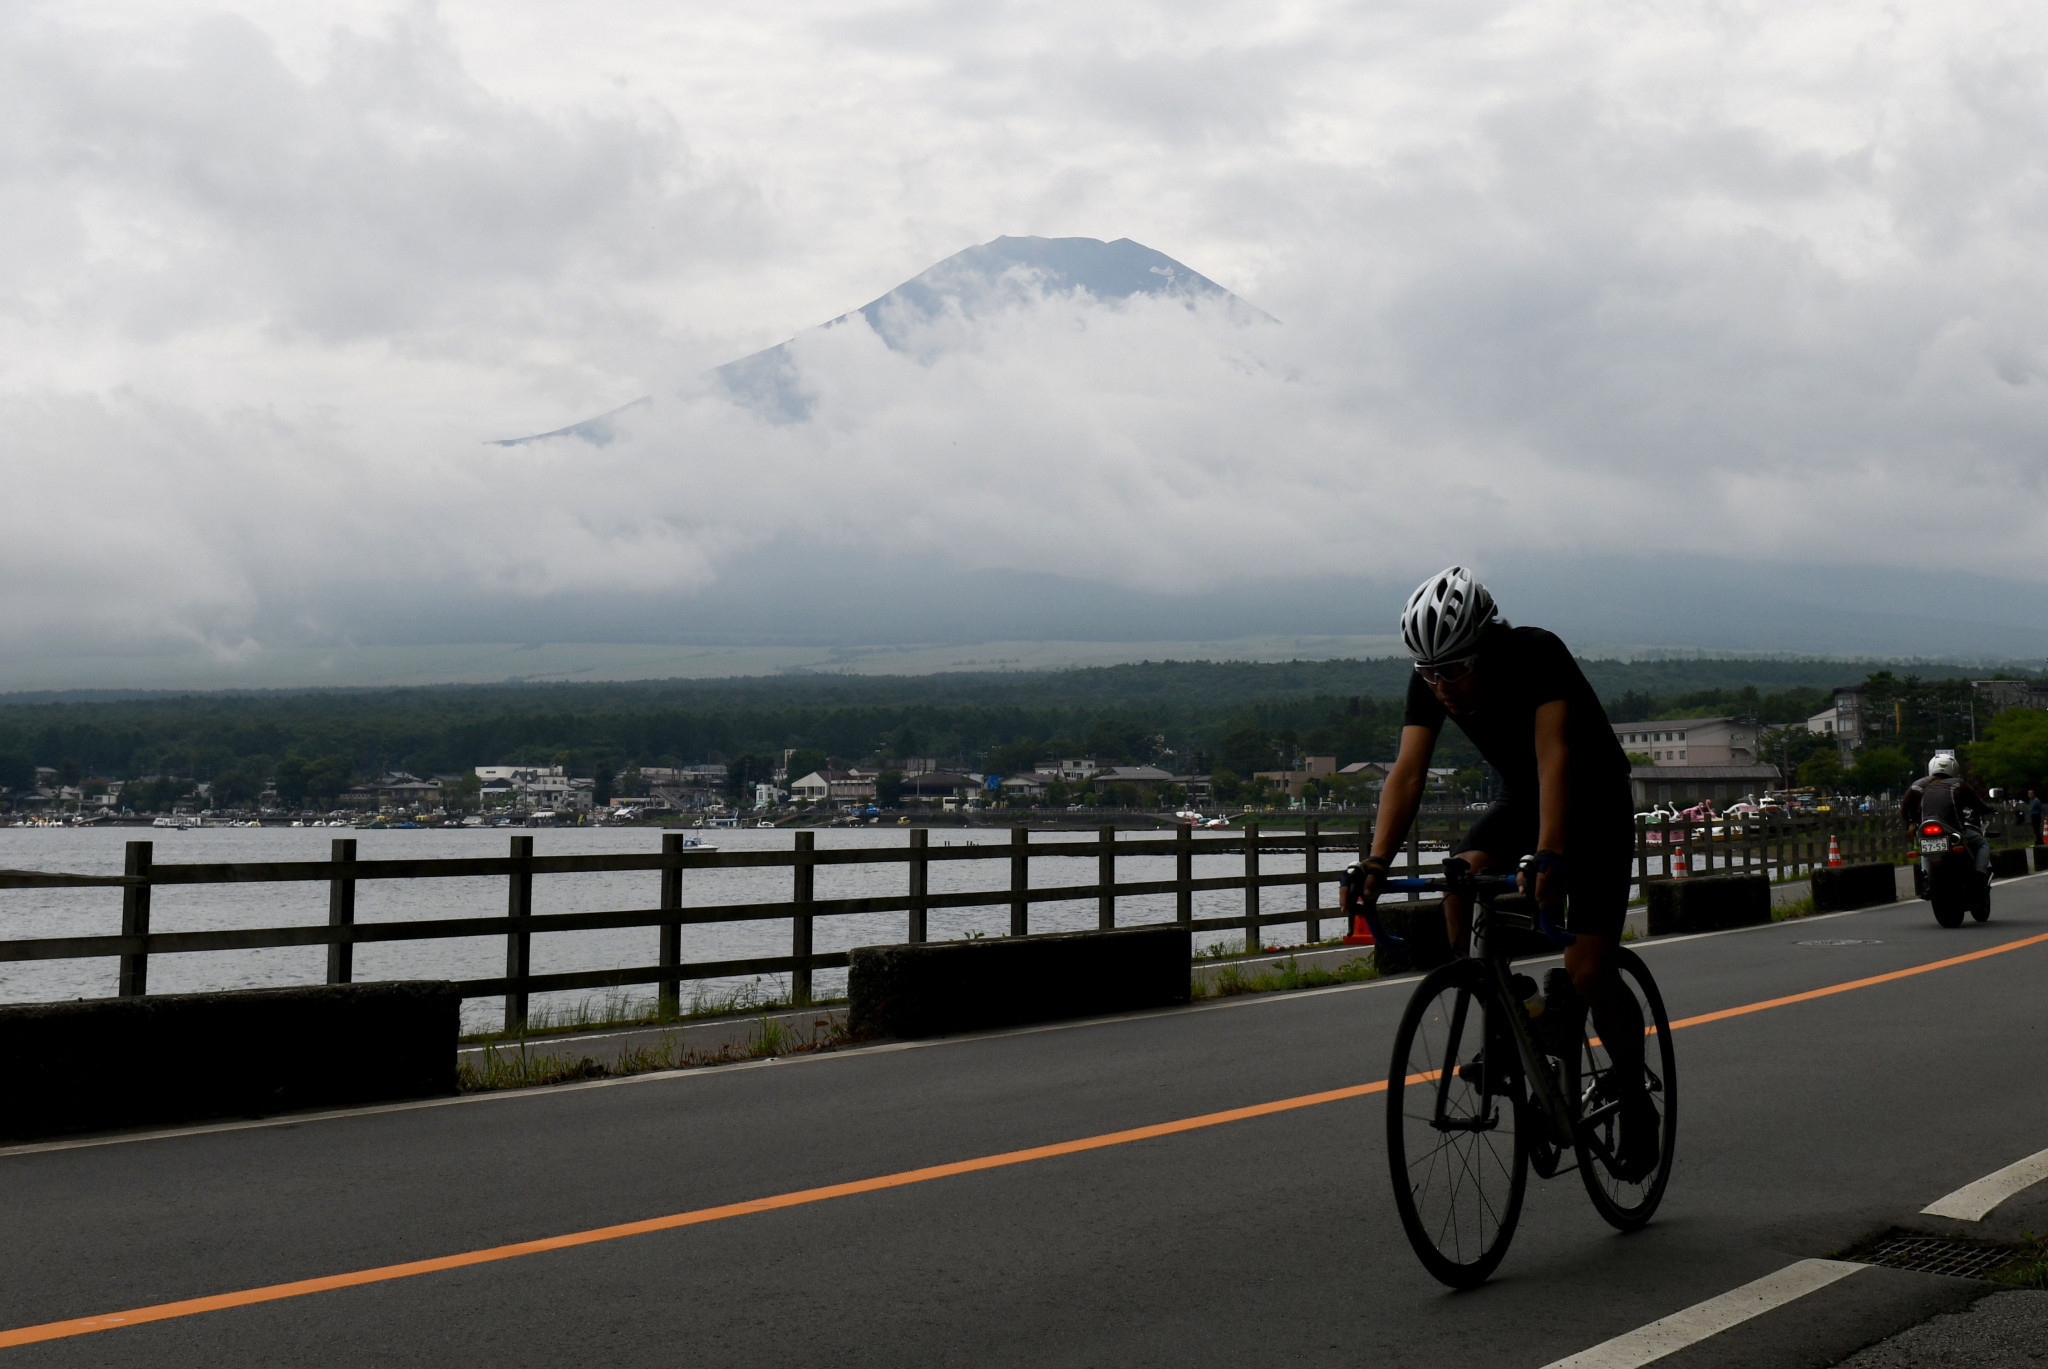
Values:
[(1189, 716)]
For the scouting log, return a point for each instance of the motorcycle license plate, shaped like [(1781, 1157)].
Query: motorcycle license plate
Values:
[(1934, 846)]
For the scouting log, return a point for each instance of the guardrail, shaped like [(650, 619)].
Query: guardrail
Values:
[(1784, 849), (519, 924), (1788, 848)]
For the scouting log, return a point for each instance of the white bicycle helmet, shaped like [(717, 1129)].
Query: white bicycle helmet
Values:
[(1445, 617), (1945, 766)]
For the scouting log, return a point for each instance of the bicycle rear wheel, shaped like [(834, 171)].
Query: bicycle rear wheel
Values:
[(1455, 1147), (1627, 1204)]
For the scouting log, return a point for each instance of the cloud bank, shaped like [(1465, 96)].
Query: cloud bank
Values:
[(1561, 286)]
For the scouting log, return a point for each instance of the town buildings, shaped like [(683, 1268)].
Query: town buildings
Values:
[(1690, 741)]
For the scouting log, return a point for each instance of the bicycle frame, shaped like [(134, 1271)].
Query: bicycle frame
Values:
[(1560, 1116)]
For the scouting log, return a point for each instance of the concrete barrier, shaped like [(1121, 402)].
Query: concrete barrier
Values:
[(2009, 864), (939, 987), (103, 1063), (1425, 941), (2041, 857), (1708, 903), (1855, 886)]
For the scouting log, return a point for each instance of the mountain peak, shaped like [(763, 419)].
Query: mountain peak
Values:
[(975, 280)]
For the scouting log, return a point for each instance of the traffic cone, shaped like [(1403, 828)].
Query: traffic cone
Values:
[(1361, 933), (1834, 852), (1677, 862)]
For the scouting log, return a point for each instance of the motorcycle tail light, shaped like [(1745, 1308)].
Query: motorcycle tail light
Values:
[(1931, 829)]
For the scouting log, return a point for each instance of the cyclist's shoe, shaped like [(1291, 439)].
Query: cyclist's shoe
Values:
[(1638, 1145)]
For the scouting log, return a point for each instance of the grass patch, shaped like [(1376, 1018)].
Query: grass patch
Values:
[(622, 1008), (2029, 1269), (1288, 974), (1798, 907), (515, 1066)]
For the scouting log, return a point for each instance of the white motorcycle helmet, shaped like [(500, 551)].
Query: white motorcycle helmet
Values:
[(1944, 766), (1446, 616)]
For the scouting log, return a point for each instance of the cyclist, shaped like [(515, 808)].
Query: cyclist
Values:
[(1945, 796), (1519, 696)]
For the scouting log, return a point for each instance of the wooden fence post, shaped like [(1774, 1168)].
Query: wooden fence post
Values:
[(518, 941), (1105, 879), (1415, 857), (341, 912), (1020, 880), (134, 978), (920, 881), (1184, 874), (1251, 888), (669, 992), (800, 922), (1312, 834)]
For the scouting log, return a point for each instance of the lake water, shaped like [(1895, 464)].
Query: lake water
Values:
[(28, 913)]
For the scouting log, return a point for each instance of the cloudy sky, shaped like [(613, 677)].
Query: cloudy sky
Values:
[(1621, 301)]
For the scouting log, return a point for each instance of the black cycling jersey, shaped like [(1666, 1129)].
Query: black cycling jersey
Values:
[(1520, 670)]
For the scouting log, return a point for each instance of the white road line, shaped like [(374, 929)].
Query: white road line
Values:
[(1710, 1318), (1973, 1202)]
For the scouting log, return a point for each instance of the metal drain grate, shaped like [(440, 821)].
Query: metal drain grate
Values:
[(1939, 1255)]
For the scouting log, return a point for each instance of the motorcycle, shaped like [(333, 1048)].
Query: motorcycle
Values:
[(1948, 876)]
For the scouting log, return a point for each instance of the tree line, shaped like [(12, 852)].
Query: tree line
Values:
[(1185, 717)]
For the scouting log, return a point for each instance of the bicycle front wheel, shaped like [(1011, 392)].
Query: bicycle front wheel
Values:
[(1455, 1147), (1627, 1203)]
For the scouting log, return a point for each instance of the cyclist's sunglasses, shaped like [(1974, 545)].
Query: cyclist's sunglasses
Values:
[(1447, 672)]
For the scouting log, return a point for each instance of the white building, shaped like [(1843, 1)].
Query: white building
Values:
[(1828, 722), (1690, 741), (820, 786)]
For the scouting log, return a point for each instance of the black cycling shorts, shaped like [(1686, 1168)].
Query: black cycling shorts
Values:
[(1596, 868)]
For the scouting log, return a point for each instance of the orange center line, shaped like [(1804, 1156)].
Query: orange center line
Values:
[(167, 1311)]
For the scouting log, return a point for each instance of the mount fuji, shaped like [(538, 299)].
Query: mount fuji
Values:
[(980, 280)]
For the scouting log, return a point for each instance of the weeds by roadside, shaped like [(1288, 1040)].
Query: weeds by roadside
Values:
[(1237, 979), (2030, 1268), (1801, 907), (621, 1008), (513, 1065)]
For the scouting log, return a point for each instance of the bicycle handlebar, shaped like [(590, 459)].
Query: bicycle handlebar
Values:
[(1449, 882)]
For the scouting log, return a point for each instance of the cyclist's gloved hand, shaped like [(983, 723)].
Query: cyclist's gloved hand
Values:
[(1363, 880), (1543, 878)]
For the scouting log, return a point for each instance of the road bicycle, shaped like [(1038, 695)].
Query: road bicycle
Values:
[(1480, 1090)]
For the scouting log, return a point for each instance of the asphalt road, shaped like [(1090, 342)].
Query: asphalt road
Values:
[(1268, 1239)]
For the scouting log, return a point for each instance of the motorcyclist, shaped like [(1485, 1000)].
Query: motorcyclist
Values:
[(1945, 796)]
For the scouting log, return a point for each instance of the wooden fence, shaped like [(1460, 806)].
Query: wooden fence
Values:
[(1783, 850)]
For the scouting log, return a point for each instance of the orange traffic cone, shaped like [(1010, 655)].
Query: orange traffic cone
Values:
[(1834, 852), (1678, 862)]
